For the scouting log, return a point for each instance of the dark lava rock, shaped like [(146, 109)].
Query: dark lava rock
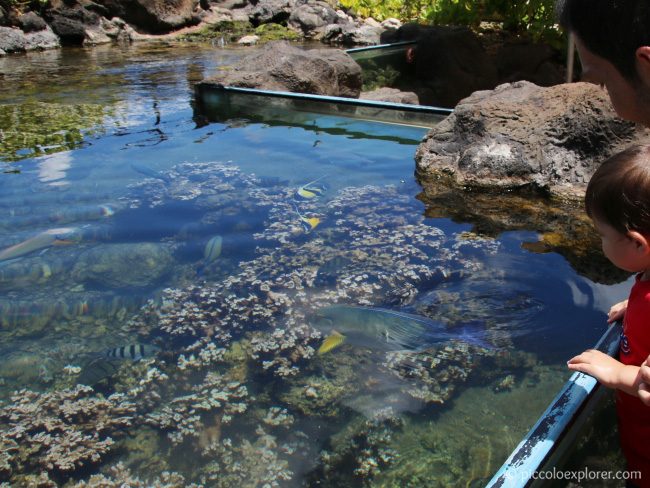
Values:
[(281, 66), (522, 135)]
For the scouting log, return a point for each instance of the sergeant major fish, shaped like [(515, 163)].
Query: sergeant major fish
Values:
[(386, 330), (104, 364)]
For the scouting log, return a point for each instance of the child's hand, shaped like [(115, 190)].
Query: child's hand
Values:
[(617, 312), (644, 386), (601, 366)]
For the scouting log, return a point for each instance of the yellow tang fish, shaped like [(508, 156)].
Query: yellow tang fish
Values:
[(332, 341), (310, 190)]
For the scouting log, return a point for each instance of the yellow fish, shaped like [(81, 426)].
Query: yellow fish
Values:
[(332, 341), (310, 190), (52, 237), (308, 223)]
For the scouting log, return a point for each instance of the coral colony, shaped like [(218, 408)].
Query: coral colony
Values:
[(236, 391)]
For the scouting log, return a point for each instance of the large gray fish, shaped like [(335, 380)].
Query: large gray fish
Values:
[(104, 364), (385, 330)]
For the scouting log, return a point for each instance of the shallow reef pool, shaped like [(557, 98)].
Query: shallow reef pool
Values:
[(168, 279)]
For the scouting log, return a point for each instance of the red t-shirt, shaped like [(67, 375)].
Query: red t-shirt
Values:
[(633, 415)]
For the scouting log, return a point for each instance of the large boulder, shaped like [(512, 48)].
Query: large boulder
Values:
[(15, 40), (312, 18), (12, 40), (531, 61), (450, 63), (281, 66), (359, 35), (522, 135), (41, 40), (71, 23), (136, 265), (154, 16), (275, 11), (31, 22)]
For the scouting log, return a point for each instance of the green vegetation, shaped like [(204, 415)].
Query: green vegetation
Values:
[(232, 31), (535, 17)]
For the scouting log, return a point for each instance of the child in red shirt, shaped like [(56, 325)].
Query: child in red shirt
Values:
[(618, 202)]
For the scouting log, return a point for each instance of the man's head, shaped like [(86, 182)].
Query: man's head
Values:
[(611, 29), (613, 40)]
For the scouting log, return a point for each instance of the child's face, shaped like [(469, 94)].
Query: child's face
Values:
[(619, 248)]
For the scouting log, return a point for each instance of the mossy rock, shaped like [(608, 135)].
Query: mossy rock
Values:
[(230, 31), (275, 32), (124, 265)]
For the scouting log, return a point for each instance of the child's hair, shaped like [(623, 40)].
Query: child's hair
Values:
[(619, 191)]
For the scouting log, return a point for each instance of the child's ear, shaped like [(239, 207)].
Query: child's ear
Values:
[(643, 63), (642, 243)]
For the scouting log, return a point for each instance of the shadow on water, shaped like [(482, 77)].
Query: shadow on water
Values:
[(562, 225)]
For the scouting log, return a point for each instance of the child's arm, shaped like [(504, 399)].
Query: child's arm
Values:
[(617, 312), (607, 370)]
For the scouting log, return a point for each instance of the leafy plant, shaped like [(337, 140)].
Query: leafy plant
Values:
[(535, 17)]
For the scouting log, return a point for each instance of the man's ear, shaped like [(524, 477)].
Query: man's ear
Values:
[(642, 242), (643, 63)]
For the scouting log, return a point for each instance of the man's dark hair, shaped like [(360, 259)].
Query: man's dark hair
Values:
[(611, 29), (619, 191)]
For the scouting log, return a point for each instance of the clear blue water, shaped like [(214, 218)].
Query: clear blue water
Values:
[(151, 184)]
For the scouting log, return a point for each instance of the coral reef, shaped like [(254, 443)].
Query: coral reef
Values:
[(60, 432), (238, 384), (212, 404)]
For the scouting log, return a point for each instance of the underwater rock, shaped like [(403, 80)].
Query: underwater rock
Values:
[(124, 265)]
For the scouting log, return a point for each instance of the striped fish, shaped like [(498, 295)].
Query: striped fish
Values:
[(96, 370), (133, 352), (104, 365)]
